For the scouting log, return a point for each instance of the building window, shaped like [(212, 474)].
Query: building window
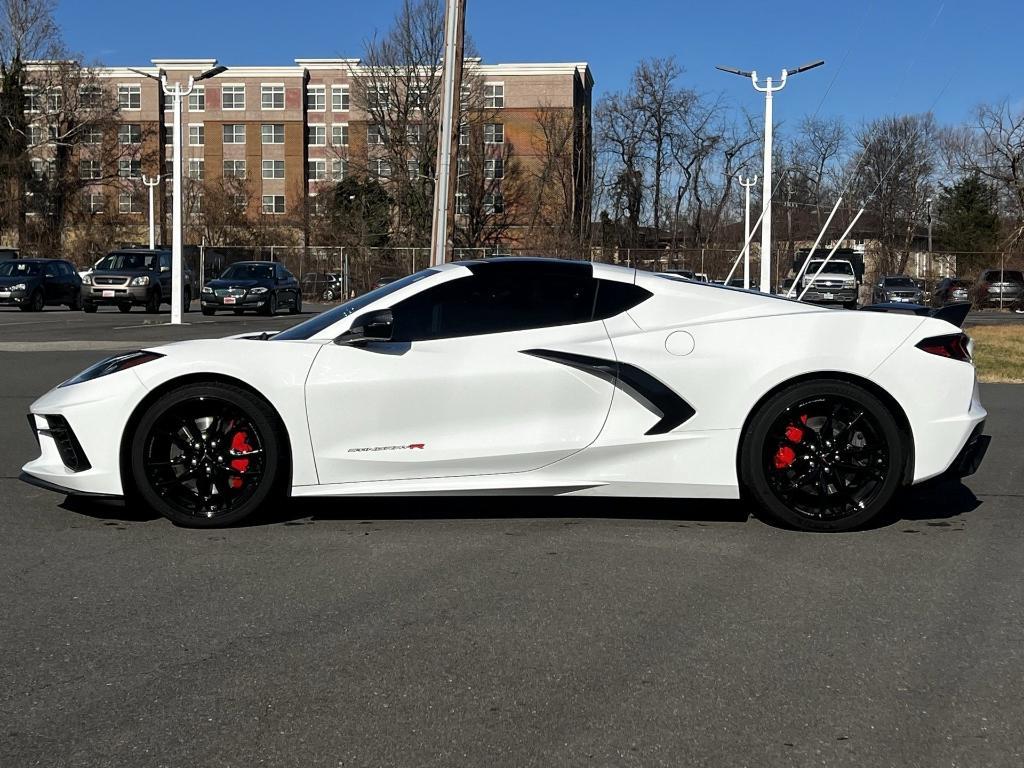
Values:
[(461, 203), (33, 99), (90, 96), (233, 96), (240, 202), (234, 133), (374, 134), (494, 95), (39, 169), (338, 169), (92, 135), (462, 167), (272, 133), (196, 135), (413, 167), (494, 168), (380, 168), (234, 169), (93, 202), (317, 135), (316, 170), (273, 203), (169, 135), (129, 169), (129, 202), (129, 97), (89, 169), (36, 135), (494, 133), (197, 99), (54, 99), (339, 98), (273, 169), (129, 133), (377, 97), (316, 98), (463, 135), (196, 169), (418, 96), (494, 203), (272, 97), (413, 133), (339, 134)]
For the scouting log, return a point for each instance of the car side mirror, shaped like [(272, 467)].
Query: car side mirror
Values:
[(373, 326), (165, 269)]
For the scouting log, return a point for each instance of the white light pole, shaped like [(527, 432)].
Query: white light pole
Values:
[(746, 183), (766, 204), (178, 92), (152, 184)]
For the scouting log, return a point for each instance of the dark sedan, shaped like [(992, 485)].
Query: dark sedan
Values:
[(263, 286), (31, 284), (896, 289)]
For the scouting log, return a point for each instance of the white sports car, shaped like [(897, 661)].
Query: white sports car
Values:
[(529, 376)]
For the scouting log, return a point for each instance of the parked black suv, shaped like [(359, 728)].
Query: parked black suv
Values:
[(31, 284), (133, 277)]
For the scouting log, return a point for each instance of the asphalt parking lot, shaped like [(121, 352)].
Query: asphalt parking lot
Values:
[(484, 632)]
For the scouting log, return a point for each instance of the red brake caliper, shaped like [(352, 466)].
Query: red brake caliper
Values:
[(785, 456), (239, 444)]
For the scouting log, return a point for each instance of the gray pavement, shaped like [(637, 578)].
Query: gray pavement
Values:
[(505, 632)]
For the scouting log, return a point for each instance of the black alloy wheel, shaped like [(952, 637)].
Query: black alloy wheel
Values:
[(823, 456), (124, 308), (296, 306), (153, 302), (270, 308), (35, 303), (89, 308), (186, 302), (206, 455)]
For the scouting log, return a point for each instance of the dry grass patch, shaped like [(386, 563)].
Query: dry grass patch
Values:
[(998, 352)]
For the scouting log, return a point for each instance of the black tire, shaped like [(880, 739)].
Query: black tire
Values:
[(327, 295), (89, 308), (296, 306), (124, 308), (207, 311), (270, 308), (35, 303), (238, 311), (153, 302), (186, 303), (164, 477), (76, 303), (850, 305), (838, 481)]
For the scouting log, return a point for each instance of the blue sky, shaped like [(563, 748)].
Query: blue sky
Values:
[(899, 54)]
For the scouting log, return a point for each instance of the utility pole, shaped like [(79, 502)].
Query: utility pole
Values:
[(928, 270), (769, 89), (152, 183), (746, 183), (448, 135), (178, 92)]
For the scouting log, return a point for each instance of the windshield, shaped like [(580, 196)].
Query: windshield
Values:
[(900, 282), (18, 269), (249, 272), (129, 261), (316, 324), (832, 268)]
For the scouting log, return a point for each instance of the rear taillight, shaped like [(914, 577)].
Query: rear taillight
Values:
[(955, 346)]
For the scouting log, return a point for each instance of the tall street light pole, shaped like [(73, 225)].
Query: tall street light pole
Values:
[(177, 92), (448, 136), (768, 89), (152, 183), (746, 183)]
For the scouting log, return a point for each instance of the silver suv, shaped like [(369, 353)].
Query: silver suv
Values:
[(1000, 287), (133, 278)]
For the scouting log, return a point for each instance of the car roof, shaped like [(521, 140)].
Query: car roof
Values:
[(251, 263)]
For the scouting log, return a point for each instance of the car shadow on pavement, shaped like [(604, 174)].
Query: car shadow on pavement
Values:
[(938, 499)]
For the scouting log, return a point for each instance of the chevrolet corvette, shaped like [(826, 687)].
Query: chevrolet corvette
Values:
[(529, 376)]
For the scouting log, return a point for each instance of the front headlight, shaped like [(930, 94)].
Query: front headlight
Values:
[(86, 279), (850, 284), (113, 365), (207, 289), (19, 287), (257, 290), (140, 280)]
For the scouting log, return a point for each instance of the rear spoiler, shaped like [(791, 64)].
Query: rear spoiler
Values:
[(955, 314)]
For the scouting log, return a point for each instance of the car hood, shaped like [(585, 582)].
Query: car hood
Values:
[(242, 283), (15, 279)]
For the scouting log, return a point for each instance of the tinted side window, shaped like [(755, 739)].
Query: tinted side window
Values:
[(496, 299), (50, 270), (165, 260), (614, 297)]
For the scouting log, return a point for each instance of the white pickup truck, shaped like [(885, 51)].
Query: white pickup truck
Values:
[(837, 283)]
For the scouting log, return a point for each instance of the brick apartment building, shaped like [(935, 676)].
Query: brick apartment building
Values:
[(288, 130)]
